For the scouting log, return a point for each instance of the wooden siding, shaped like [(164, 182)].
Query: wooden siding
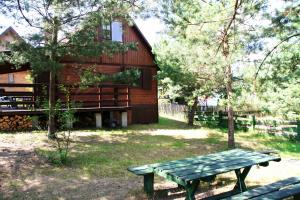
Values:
[(144, 114), (143, 96), (141, 56), (71, 75), (19, 77)]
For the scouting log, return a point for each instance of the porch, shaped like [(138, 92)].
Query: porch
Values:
[(32, 99)]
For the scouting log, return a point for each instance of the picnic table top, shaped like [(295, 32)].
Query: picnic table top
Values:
[(201, 167)]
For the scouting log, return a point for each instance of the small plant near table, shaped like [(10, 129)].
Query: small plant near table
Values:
[(64, 113)]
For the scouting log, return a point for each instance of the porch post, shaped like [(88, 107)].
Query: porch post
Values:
[(98, 117), (124, 119), (111, 116)]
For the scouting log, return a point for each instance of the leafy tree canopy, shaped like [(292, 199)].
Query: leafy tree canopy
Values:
[(64, 28)]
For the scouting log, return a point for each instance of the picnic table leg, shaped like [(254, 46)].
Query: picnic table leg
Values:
[(191, 189), (297, 197), (148, 184), (241, 176)]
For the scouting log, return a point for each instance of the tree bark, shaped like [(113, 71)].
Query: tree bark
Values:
[(192, 111), (52, 81), (228, 82), (51, 119), (231, 142)]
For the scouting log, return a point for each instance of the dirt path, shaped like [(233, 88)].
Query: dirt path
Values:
[(20, 179)]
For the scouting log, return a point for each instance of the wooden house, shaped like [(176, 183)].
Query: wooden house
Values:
[(8, 35), (121, 103)]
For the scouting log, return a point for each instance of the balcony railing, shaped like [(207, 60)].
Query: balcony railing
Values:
[(35, 96)]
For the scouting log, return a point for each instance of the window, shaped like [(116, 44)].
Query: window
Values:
[(106, 31), (117, 32), (112, 31), (147, 79), (11, 78)]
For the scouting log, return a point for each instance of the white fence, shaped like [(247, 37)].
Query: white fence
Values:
[(172, 109)]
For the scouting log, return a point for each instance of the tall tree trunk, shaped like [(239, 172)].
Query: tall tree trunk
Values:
[(52, 80), (228, 76), (231, 142), (51, 119), (192, 111)]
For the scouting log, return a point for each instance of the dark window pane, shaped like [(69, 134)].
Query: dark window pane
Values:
[(105, 32), (147, 78)]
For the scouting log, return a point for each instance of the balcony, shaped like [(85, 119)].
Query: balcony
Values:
[(32, 98)]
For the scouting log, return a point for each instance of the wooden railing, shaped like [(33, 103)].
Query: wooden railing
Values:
[(33, 96)]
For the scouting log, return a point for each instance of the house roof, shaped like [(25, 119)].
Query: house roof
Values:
[(4, 30)]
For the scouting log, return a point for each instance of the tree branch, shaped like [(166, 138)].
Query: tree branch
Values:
[(236, 7), (271, 51), (26, 19)]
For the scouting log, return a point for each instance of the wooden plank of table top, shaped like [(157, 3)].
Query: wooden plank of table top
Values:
[(211, 157), (213, 165), (142, 170), (174, 162), (217, 166), (281, 194), (209, 161), (256, 192), (229, 168)]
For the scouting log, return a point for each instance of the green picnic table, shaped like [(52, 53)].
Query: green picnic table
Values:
[(188, 173)]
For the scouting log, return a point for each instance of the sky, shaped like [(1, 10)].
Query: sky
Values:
[(151, 27)]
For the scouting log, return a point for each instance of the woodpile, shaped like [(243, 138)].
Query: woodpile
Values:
[(16, 122)]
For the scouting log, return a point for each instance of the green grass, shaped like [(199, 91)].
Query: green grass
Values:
[(108, 153), (285, 146), (111, 159)]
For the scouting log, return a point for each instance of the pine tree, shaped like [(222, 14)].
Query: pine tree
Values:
[(217, 30)]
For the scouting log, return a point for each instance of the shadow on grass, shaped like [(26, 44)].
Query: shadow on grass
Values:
[(280, 143), (110, 155), (206, 190), (164, 123)]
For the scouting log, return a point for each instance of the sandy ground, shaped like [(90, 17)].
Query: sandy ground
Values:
[(19, 163), (184, 134)]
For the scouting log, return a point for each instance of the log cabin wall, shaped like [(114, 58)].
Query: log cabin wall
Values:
[(144, 99), (16, 77)]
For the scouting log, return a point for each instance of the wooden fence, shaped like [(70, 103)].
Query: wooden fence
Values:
[(172, 109), (175, 109), (212, 116)]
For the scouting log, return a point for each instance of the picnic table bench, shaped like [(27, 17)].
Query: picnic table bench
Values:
[(279, 190), (188, 173)]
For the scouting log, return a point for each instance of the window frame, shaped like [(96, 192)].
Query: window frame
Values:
[(102, 37), (10, 78), (101, 31)]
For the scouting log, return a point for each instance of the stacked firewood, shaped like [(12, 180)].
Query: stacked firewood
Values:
[(13, 123)]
